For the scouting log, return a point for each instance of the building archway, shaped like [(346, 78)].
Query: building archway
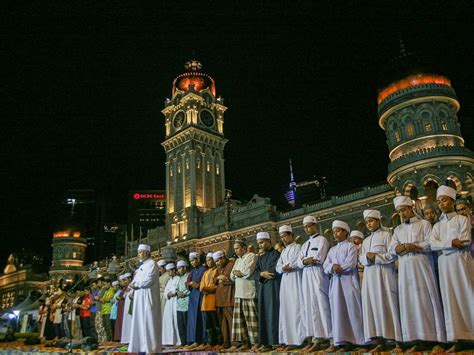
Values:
[(430, 188), (454, 182)]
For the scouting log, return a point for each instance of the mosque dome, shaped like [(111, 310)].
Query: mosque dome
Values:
[(193, 77)]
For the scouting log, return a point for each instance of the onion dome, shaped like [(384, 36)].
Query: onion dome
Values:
[(193, 77)]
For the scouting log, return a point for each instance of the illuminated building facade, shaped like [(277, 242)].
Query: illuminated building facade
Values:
[(194, 147), (417, 109), (69, 252)]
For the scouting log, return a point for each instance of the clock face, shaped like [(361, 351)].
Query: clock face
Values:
[(178, 119), (207, 118)]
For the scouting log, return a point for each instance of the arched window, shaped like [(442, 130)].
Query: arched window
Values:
[(444, 125), (397, 135), (428, 126), (410, 129)]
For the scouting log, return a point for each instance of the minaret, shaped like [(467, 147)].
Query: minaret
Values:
[(418, 108), (194, 147)]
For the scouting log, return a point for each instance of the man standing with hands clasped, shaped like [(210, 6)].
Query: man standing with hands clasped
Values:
[(146, 318)]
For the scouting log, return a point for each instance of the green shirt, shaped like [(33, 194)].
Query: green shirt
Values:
[(182, 303), (106, 299)]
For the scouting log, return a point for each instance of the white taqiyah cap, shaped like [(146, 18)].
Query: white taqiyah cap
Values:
[(127, 275), (357, 233), (193, 255), (263, 235), (115, 283), (402, 201), (209, 255), (144, 247), (161, 263), (170, 266), (341, 224), (309, 219), (217, 255), (372, 214), (182, 263), (444, 190), (284, 229), (122, 277)]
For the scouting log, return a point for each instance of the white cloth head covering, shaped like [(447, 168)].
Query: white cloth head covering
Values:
[(122, 277), (170, 266), (182, 263), (444, 190), (357, 233), (115, 283), (127, 275), (372, 214), (309, 219), (284, 229), (144, 247), (263, 235), (162, 263), (193, 255), (402, 201), (217, 255), (341, 224), (209, 255)]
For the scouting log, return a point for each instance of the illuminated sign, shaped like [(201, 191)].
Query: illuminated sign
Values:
[(66, 234), (137, 196)]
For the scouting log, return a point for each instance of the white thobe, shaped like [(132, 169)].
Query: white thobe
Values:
[(315, 288), (291, 326), (126, 321), (456, 273), (163, 282), (170, 331), (421, 315), (344, 295), (379, 288), (146, 318)]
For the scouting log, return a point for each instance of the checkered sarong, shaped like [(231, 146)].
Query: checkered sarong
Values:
[(245, 322)]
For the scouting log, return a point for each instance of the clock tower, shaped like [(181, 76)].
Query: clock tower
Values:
[(194, 147)]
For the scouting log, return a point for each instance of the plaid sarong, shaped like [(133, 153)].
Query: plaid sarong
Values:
[(245, 322)]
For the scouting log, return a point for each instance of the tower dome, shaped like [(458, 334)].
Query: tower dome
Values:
[(193, 77)]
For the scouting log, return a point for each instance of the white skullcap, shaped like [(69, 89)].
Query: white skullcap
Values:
[(170, 266), (341, 224), (285, 229), (162, 263), (309, 219), (127, 275), (446, 191), (263, 236), (182, 263), (115, 283), (209, 255), (122, 277), (372, 214), (217, 255), (193, 255), (144, 247), (402, 201), (357, 233)]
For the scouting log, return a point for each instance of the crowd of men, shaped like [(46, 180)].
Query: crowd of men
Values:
[(409, 289)]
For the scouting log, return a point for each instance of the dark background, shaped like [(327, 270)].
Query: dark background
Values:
[(85, 82)]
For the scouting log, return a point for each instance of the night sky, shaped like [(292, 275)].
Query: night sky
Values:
[(85, 82)]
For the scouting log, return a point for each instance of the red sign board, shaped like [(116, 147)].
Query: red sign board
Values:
[(137, 196)]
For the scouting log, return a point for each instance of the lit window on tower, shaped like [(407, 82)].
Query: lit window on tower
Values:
[(171, 171), (397, 135), (179, 168), (217, 169), (187, 164), (208, 166), (199, 163), (410, 129), (444, 125), (428, 126)]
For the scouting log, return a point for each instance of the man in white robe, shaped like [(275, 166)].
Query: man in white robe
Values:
[(146, 318), (452, 236), (379, 286), (164, 278), (344, 291), (127, 316), (291, 326), (170, 330), (315, 287), (421, 315)]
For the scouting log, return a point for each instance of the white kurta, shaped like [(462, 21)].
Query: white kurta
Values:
[(170, 331), (379, 288), (163, 282), (456, 273), (421, 315), (291, 325), (315, 288), (344, 295), (126, 321), (146, 318)]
